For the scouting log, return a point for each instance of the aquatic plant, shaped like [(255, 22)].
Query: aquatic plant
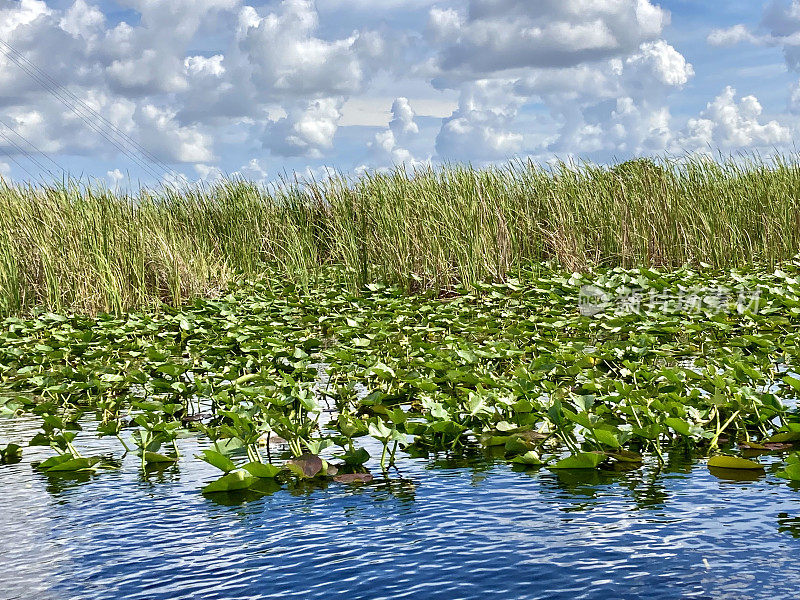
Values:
[(12, 453), (547, 369)]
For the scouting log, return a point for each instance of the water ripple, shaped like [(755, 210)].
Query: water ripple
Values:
[(473, 531)]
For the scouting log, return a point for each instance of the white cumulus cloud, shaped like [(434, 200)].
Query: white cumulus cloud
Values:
[(388, 147), (306, 130), (492, 36), (728, 124), (233, 86)]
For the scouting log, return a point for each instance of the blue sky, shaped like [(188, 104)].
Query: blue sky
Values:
[(134, 91)]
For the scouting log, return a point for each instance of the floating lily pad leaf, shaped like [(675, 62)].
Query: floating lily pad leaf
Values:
[(11, 454), (305, 466), (74, 464), (722, 461), (264, 485), (783, 437), (678, 425), (626, 456), (529, 458), (264, 471), (156, 457), (753, 446), (53, 461), (237, 480), (354, 478), (217, 459), (582, 460), (791, 472)]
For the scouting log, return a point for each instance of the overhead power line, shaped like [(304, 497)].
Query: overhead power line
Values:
[(78, 101), (32, 145), (22, 151), (139, 155), (16, 162)]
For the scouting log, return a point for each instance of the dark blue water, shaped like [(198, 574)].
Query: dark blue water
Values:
[(439, 529)]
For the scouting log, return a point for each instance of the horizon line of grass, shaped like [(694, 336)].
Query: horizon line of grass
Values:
[(84, 248)]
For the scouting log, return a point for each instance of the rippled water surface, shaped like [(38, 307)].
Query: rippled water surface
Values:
[(437, 529)]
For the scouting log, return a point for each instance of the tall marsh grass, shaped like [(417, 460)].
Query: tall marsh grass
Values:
[(75, 247)]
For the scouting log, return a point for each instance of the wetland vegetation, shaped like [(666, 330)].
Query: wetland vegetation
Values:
[(72, 247), (568, 318), (592, 370)]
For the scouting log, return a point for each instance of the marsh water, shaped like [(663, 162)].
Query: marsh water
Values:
[(437, 528)]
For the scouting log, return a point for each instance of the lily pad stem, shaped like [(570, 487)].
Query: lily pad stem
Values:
[(73, 450), (722, 428), (383, 456), (124, 445)]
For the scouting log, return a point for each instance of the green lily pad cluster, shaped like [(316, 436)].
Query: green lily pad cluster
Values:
[(255, 474), (519, 370)]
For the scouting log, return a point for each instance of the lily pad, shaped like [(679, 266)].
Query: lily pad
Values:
[(156, 457), (582, 460), (305, 466), (74, 464), (261, 470), (531, 436), (626, 456), (217, 459), (529, 458), (11, 454), (53, 461), (237, 480), (753, 446), (778, 446), (783, 437), (516, 445), (678, 425), (723, 461), (791, 472), (494, 440), (607, 438)]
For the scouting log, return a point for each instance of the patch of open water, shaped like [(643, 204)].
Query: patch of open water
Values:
[(439, 528)]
